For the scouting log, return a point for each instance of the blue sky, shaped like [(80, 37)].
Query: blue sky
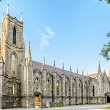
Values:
[(68, 31)]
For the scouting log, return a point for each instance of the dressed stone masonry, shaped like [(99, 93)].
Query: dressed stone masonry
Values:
[(22, 79)]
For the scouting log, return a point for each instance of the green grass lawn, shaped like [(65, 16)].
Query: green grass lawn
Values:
[(108, 107)]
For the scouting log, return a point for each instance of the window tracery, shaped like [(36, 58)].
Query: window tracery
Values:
[(14, 36)]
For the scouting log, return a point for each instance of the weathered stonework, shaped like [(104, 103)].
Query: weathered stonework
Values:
[(22, 79)]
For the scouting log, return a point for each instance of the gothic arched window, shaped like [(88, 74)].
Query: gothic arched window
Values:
[(13, 65), (93, 91), (57, 88), (14, 36), (66, 88), (73, 89), (13, 89), (36, 83), (48, 87), (10, 90)]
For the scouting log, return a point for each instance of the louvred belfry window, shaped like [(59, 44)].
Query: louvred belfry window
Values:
[(14, 36)]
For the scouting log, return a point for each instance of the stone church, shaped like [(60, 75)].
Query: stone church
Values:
[(27, 83)]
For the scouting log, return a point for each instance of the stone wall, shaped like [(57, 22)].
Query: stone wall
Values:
[(11, 101), (73, 90)]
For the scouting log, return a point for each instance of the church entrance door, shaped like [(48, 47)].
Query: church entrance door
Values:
[(37, 101), (108, 99)]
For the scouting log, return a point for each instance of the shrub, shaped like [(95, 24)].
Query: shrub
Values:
[(61, 105)]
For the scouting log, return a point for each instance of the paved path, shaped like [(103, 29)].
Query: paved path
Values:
[(75, 107)]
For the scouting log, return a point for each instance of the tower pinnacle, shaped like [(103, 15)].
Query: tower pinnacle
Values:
[(77, 71), (54, 67), (29, 54), (54, 64), (87, 74), (44, 61), (21, 19), (7, 11), (70, 69), (2, 17), (82, 73), (63, 66), (99, 68), (43, 64)]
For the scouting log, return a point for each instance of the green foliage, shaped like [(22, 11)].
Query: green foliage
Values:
[(106, 49), (55, 105), (105, 52), (108, 1), (58, 105), (61, 105)]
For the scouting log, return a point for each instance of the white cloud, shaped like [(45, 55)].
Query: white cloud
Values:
[(46, 35)]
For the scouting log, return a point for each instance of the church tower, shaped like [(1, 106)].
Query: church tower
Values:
[(12, 45), (12, 51)]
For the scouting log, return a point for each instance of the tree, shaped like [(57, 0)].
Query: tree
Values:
[(106, 49), (108, 1), (105, 52)]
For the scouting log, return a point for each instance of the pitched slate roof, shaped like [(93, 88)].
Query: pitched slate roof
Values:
[(38, 65)]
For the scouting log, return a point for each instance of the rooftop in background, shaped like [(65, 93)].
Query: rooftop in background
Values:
[(92, 75)]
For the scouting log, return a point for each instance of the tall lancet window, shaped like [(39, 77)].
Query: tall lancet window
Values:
[(13, 65), (93, 91), (57, 88), (14, 36)]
